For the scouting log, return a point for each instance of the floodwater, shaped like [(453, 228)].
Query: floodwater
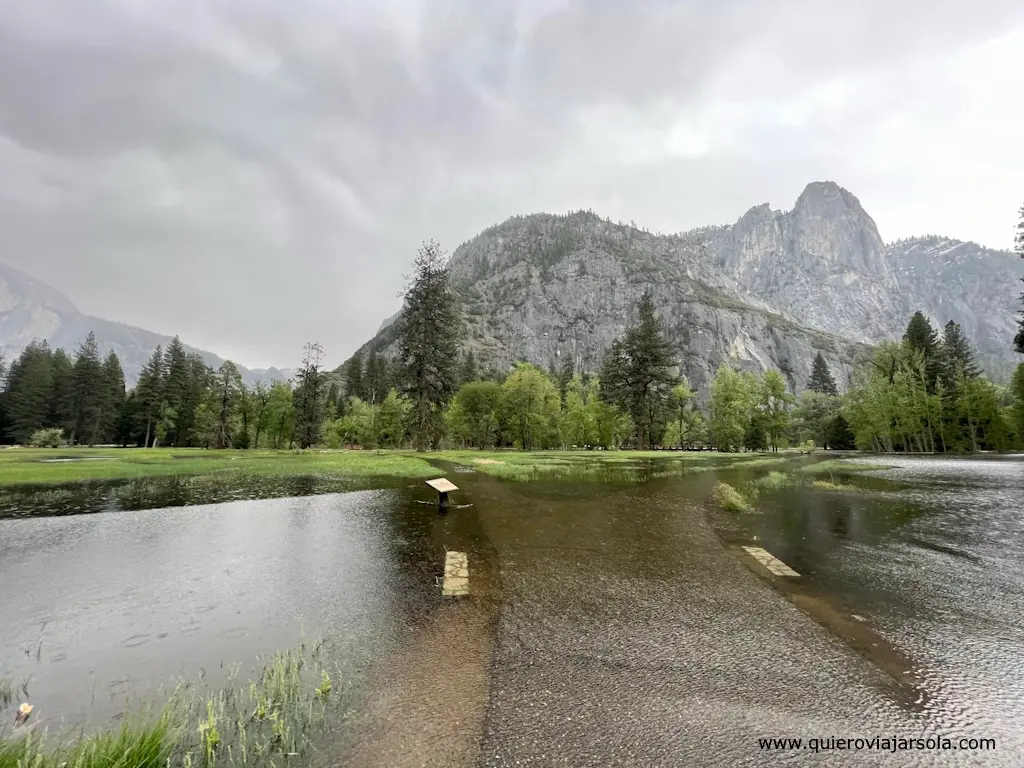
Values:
[(608, 624)]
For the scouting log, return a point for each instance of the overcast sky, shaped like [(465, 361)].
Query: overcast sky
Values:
[(256, 173)]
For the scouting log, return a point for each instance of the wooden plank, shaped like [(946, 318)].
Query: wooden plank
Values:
[(442, 485)]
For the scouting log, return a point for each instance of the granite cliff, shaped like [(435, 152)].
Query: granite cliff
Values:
[(769, 291), (31, 309)]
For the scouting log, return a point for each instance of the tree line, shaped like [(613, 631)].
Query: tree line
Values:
[(923, 394)]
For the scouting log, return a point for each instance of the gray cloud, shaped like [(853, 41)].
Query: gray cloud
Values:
[(254, 174)]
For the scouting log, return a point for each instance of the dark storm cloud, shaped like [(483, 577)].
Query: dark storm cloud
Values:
[(253, 174)]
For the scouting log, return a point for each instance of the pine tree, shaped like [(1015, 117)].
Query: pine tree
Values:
[(374, 386), (149, 394), (957, 356), (113, 398), (224, 395), (332, 395), (354, 377), (1018, 342), (821, 378), (838, 435), (635, 373), (428, 337), (309, 396), (469, 370), (89, 392), (62, 401), (177, 389), (922, 337), (29, 389), (200, 378)]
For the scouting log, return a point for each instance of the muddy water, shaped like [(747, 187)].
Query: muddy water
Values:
[(609, 624)]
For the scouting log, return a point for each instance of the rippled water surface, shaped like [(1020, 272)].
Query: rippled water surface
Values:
[(609, 624)]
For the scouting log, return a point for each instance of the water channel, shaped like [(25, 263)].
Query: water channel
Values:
[(609, 623)]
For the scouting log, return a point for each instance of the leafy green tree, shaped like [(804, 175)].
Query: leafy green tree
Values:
[(635, 373), (476, 417), (167, 421), (429, 329), (393, 414), (29, 387), (281, 415), (774, 402), (358, 423), (730, 406), (821, 380), (149, 393), (531, 403), (578, 426), (90, 392), (260, 409), (309, 396), (812, 415), (981, 408)]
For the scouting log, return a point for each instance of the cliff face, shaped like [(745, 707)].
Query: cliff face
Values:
[(767, 292)]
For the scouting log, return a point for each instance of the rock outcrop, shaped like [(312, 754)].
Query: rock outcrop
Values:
[(767, 292)]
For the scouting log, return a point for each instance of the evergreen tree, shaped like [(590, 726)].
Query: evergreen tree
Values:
[(260, 398), (62, 400), (89, 392), (309, 396), (428, 335), (354, 377), (469, 371), (635, 373), (374, 384), (225, 393), (957, 356), (565, 376), (333, 395), (199, 379), (29, 388), (177, 390), (112, 401), (821, 378), (1018, 342), (149, 395), (922, 337), (838, 435)]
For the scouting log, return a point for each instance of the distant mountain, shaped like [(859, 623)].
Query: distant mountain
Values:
[(31, 309), (767, 292)]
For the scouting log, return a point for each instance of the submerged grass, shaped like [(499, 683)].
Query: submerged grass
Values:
[(273, 720), (65, 465), (840, 465), (730, 499), (593, 465)]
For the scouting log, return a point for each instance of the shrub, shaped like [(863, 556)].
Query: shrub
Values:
[(807, 446), (52, 437)]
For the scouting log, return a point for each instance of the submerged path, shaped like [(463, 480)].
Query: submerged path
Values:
[(628, 635)]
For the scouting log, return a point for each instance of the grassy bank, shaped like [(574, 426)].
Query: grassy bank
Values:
[(66, 465), (594, 465), (272, 720)]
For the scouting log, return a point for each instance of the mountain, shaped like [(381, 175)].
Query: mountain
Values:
[(31, 309), (769, 291)]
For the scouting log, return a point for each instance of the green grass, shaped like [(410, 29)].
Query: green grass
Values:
[(840, 465), (828, 485), (728, 498), (30, 465), (273, 720), (773, 481), (592, 465)]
